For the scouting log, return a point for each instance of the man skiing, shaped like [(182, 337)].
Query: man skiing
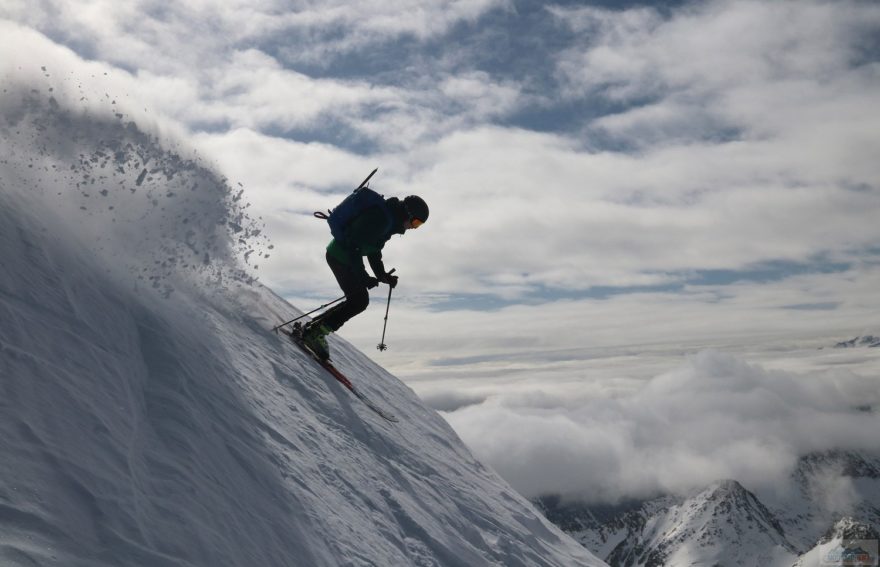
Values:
[(363, 235)]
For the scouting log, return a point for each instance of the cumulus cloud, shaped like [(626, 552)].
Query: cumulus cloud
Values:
[(715, 417), (187, 36), (341, 27), (754, 69)]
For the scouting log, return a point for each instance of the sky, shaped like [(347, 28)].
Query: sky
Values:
[(614, 188)]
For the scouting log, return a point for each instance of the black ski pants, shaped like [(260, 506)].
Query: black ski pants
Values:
[(357, 297)]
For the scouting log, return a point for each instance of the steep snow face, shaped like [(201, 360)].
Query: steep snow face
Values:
[(148, 417)]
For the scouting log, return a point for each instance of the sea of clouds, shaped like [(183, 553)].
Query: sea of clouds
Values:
[(714, 417)]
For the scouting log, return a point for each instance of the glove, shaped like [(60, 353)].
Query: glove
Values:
[(371, 282), (389, 279)]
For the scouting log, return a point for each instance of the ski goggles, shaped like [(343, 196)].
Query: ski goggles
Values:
[(416, 223)]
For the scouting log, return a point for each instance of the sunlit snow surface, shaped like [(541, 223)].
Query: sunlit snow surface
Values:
[(148, 417)]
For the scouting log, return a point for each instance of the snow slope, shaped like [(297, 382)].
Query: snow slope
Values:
[(147, 417)]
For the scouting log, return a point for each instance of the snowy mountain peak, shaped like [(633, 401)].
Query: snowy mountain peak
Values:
[(725, 523), (728, 493), (730, 502), (849, 528), (707, 526)]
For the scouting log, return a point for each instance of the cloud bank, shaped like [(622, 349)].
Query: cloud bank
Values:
[(715, 417)]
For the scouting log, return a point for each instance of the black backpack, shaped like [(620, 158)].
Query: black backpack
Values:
[(360, 200)]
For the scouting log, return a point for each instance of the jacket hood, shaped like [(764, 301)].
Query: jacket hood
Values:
[(398, 214)]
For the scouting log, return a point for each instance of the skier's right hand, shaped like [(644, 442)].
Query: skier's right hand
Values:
[(371, 282)]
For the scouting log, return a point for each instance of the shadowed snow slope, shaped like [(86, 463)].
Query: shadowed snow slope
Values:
[(148, 417)]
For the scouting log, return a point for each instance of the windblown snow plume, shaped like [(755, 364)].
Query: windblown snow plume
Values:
[(152, 209)]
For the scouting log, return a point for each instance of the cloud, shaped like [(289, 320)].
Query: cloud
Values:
[(833, 490), (253, 90), (221, 65), (451, 401), (756, 69), (186, 37), (715, 417), (711, 47), (339, 28)]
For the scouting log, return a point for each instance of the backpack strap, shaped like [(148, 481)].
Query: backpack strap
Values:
[(326, 216), (389, 217)]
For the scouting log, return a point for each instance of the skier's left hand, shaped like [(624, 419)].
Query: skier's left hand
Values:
[(389, 279)]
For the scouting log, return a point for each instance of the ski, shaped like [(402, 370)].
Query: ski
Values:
[(340, 377)]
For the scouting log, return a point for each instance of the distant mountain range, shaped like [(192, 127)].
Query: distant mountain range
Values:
[(865, 341), (726, 524)]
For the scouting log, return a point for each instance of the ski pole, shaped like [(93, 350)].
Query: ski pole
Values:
[(367, 180), (382, 346), (275, 329)]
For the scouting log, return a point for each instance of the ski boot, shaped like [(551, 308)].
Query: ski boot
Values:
[(314, 336)]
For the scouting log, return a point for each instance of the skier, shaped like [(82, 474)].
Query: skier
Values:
[(364, 235)]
